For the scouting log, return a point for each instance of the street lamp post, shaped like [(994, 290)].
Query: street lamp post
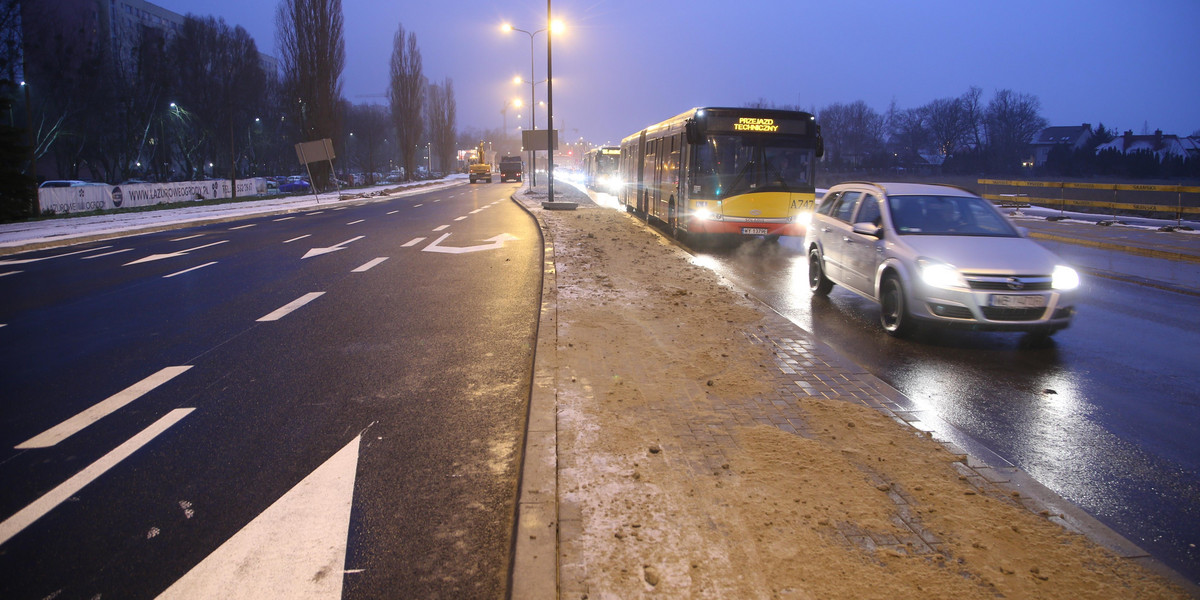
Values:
[(36, 205), (549, 103), (532, 100)]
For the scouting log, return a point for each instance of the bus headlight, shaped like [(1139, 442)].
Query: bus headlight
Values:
[(804, 218), (703, 214)]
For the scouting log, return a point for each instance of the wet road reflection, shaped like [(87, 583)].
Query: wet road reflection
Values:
[(1102, 414)]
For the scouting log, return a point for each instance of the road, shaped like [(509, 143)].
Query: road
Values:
[(343, 388), (1107, 415)]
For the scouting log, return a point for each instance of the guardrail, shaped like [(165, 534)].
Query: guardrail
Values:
[(1102, 198)]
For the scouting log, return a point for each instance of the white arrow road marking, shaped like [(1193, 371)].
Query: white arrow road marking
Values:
[(496, 242), (333, 248), (154, 257), (291, 306), (26, 516), (114, 403), (33, 260), (367, 267), (294, 549)]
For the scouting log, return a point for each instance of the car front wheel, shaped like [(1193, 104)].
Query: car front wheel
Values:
[(893, 308), (817, 281)]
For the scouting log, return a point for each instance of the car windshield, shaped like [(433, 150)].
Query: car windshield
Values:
[(727, 165), (948, 215)]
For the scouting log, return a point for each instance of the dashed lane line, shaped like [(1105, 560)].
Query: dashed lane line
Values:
[(98, 411), (242, 227), (356, 222), (291, 306), (297, 238), (440, 227), (190, 237), (409, 244), (26, 516), (367, 266), (195, 268), (106, 254)]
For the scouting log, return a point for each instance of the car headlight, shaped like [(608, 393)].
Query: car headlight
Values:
[(1065, 278), (941, 275)]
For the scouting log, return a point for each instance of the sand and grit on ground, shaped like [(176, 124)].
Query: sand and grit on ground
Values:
[(653, 344)]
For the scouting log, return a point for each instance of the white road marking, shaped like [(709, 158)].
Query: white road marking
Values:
[(496, 242), (190, 237), (341, 208), (297, 238), (419, 206), (154, 257), (314, 213), (242, 227), (440, 227), (272, 557), (477, 210), (33, 260), (333, 248), (283, 219), (356, 222), (393, 212), (189, 270), (291, 306), (26, 516), (98, 411), (15, 272), (410, 244), (460, 218), (366, 267), (106, 254)]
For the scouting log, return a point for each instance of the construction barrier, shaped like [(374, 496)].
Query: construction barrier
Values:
[(93, 197), (1158, 201)]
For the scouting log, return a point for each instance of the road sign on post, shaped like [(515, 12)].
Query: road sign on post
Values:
[(316, 151), (538, 140)]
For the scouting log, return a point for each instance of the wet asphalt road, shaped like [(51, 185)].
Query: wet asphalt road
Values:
[(412, 364), (1107, 415)]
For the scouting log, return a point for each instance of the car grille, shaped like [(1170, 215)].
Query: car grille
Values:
[(1024, 283), (1012, 314)]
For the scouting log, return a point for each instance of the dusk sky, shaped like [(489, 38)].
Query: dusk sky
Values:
[(624, 64)]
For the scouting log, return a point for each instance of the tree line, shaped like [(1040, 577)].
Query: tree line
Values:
[(201, 102), (966, 135)]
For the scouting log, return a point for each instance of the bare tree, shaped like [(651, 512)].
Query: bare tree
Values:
[(405, 94), (312, 50), (909, 133), (948, 124), (851, 131), (1012, 120), (442, 123)]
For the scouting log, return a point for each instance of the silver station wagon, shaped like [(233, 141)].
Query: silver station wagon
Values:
[(936, 254)]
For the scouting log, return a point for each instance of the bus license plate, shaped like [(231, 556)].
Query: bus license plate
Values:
[(754, 231), (1012, 301)]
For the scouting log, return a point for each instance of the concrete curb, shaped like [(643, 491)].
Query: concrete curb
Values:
[(534, 571)]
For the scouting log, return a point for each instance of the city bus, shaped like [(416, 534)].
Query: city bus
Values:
[(741, 171), (600, 169)]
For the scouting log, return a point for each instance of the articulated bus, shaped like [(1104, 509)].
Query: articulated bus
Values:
[(739, 171), (600, 169)]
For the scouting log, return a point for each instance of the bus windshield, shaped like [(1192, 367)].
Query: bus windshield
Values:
[(606, 163), (727, 165)]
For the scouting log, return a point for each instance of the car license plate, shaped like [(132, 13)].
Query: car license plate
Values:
[(1014, 301), (754, 231)]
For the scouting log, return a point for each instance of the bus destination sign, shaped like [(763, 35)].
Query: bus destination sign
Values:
[(756, 125)]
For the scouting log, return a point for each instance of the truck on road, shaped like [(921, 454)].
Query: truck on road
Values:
[(480, 169), (511, 168)]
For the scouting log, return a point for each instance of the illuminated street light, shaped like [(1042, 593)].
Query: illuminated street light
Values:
[(555, 27)]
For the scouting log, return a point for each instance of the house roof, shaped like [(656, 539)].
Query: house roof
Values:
[(1070, 134)]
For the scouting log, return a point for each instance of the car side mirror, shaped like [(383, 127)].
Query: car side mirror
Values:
[(870, 229)]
